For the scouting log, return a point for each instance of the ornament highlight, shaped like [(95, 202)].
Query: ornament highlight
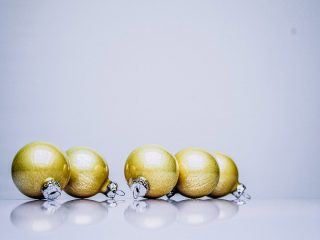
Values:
[(89, 174), (151, 171), (40, 170)]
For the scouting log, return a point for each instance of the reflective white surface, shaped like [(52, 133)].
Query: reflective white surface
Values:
[(161, 219)]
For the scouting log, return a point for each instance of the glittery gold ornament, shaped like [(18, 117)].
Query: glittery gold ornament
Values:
[(89, 174), (198, 172), (151, 171), (228, 180), (40, 170)]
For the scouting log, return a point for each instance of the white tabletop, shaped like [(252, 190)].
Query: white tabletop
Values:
[(161, 219)]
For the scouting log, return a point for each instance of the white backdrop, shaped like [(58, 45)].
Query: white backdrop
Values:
[(240, 77)]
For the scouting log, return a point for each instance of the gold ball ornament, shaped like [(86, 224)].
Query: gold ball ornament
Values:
[(151, 171), (229, 178), (40, 170), (198, 172), (89, 174)]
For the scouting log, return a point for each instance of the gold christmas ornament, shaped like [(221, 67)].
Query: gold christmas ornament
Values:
[(40, 170), (198, 172), (228, 180), (89, 174), (151, 171)]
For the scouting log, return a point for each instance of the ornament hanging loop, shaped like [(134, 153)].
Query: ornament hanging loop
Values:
[(139, 206), (51, 190), (241, 195), (172, 193), (112, 203), (139, 187), (50, 206), (113, 191)]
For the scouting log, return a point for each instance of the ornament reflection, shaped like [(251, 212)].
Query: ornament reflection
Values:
[(38, 216), (85, 212), (158, 213), (198, 211), (151, 214), (227, 209), (43, 216)]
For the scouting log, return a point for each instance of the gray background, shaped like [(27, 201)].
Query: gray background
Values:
[(240, 77)]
